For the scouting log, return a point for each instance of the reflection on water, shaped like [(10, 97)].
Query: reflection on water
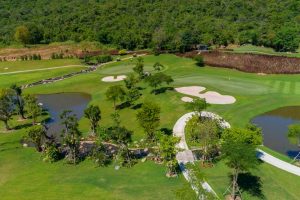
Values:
[(56, 103), (275, 124)]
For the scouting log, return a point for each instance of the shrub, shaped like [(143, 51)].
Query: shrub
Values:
[(123, 52), (103, 59), (101, 156), (51, 154), (199, 60)]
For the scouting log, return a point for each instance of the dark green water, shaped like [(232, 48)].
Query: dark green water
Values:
[(57, 103), (275, 124)]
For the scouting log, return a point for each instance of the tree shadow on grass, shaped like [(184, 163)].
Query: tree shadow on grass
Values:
[(123, 105), (21, 126), (140, 88), (251, 184), (161, 90), (166, 131), (137, 106)]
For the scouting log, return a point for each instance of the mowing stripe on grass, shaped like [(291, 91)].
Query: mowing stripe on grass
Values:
[(286, 88), (297, 87), (271, 84), (281, 86), (293, 87), (275, 86)]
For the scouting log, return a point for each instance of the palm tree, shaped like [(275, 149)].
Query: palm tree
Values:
[(19, 101)]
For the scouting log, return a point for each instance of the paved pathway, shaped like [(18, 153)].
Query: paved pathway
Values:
[(278, 163), (186, 155), (42, 69)]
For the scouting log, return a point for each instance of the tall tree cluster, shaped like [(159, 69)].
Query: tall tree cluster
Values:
[(161, 25)]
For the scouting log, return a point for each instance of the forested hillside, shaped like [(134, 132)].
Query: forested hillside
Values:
[(162, 24)]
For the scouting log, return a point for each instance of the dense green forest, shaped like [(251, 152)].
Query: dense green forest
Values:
[(161, 24)]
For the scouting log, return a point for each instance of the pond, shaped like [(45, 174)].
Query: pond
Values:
[(274, 126), (56, 103)]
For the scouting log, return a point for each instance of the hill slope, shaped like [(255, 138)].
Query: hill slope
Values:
[(167, 24)]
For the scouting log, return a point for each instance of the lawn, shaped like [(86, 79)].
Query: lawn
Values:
[(25, 176), (255, 94), (273, 183), (36, 64), (264, 50)]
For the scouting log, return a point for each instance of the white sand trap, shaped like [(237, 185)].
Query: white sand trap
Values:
[(210, 97), (217, 98), (190, 90), (113, 78)]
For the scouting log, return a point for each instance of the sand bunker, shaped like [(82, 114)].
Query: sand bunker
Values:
[(210, 96), (113, 78), (186, 99)]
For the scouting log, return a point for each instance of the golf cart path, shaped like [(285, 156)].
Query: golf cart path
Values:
[(186, 155), (41, 69), (278, 163)]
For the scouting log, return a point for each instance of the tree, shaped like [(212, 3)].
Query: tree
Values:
[(149, 119), (158, 79), (157, 66), (93, 113), (6, 106), (101, 154), (22, 35), (139, 67), (199, 60), (294, 132), (37, 134), (238, 148), (205, 133), (120, 135), (19, 101), (198, 105), (253, 137), (240, 157), (32, 107), (131, 81), (287, 39), (133, 95), (168, 151), (36, 33), (159, 39), (71, 135), (115, 93)]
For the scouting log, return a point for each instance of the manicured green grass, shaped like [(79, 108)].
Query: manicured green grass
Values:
[(36, 64), (25, 176), (255, 95), (30, 77), (275, 183), (263, 50)]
